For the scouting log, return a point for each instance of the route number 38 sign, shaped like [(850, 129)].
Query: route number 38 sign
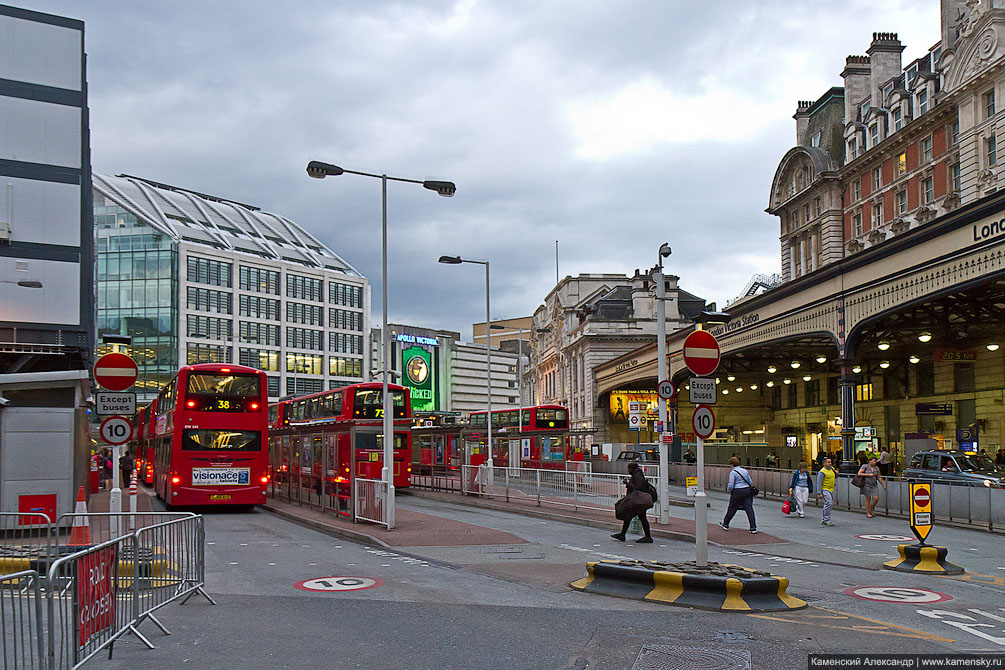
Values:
[(96, 593)]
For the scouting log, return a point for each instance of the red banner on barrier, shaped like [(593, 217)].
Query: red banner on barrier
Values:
[(96, 593)]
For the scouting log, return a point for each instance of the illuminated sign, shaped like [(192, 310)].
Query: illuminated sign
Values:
[(620, 404), (420, 378), (416, 339)]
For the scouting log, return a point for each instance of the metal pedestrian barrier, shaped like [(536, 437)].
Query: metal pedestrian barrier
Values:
[(371, 495), (70, 589), (21, 620)]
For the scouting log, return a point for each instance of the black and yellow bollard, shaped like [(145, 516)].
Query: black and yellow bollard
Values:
[(923, 558)]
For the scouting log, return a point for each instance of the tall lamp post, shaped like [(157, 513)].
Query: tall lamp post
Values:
[(661, 372), (457, 260), (320, 170)]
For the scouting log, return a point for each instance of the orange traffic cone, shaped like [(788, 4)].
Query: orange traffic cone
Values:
[(80, 534)]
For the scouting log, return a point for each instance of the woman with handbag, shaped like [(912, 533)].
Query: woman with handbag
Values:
[(638, 499), (871, 480), (801, 487), (741, 494)]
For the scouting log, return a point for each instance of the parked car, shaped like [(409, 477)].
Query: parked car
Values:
[(955, 467), (644, 455)]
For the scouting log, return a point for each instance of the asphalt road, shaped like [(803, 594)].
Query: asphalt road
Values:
[(509, 607)]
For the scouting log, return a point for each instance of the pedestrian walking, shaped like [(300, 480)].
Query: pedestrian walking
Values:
[(740, 489), (638, 487), (106, 468), (772, 459), (825, 483), (884, 461), (870, 487), (126, 467), (801, 487)]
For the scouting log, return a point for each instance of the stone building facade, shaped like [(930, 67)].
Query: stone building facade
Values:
[(586, 321)]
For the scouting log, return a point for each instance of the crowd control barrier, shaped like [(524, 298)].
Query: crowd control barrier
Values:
[(90, 582), (371, 495), (21, 620)]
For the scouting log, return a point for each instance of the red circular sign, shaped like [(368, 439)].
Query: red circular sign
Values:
[(922, 497), (701, 353), (115, 372), (116, 430)]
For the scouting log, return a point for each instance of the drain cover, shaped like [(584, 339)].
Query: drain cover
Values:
[(673, 657)]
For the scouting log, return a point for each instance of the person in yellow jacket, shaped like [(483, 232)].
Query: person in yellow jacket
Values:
[(825, 487)]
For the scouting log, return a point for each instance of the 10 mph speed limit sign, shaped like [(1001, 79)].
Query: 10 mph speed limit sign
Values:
[(116, 430), (666, 389), (703, 422)]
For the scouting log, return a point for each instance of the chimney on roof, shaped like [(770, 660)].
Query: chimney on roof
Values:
[(955, 14), (802, 117), (884, 56), (856, 75)]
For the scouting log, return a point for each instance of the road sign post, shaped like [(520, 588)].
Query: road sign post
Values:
[(116, 372), (703, 422)]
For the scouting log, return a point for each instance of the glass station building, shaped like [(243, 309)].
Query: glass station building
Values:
[(195, 278)]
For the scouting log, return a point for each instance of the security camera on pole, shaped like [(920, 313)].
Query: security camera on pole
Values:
[(661, 373)]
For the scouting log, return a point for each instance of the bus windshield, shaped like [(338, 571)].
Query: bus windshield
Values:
[(369, 404), (245, 386), (221, 440)]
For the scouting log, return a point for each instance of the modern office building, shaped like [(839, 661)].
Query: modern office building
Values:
[(195, 278), (46, 261), (46, 241)]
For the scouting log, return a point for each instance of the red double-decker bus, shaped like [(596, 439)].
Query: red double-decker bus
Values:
[(138, 445), (543, 441), (319, 443), (209, 436)]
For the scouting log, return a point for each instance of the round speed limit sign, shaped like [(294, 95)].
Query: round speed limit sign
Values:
[(116, 430), (703, 421)]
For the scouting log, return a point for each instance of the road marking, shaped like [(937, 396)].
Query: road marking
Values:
[(885, 538), (601, 554), (891, 594), (876, 627), (969, 624), (780, 559), (338, 583), (383, 553), (977, 578), (233, 562), (271, 563)]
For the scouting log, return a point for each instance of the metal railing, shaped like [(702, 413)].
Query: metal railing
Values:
[(27, 542), (22, 644), (968, 505), (567, 488), (371, 497)]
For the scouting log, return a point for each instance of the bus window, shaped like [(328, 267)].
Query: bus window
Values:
[(221, 440), (245, 386), (369, 404)]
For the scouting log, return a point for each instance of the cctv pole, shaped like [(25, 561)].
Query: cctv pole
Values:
[(661, 373)]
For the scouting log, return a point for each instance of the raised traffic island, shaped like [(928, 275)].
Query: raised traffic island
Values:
[(720, 586), (924, 558)]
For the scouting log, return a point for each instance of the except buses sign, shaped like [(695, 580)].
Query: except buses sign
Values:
[(921, 510)]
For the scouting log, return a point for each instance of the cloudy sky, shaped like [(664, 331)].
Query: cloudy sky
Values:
[(608, 126)]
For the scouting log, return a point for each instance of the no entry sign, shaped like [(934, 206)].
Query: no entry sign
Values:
[(115, 372), (701, 353)]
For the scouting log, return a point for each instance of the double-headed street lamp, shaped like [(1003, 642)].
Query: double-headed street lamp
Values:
[(320, 170), (457, 260)]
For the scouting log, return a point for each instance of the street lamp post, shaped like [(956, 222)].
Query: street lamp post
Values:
[(661, 373), (457, 260), (320, 170)]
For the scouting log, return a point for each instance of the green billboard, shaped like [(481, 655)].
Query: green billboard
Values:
[(420, 378)]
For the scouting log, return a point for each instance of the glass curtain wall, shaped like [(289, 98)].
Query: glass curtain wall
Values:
[(137, 289)]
